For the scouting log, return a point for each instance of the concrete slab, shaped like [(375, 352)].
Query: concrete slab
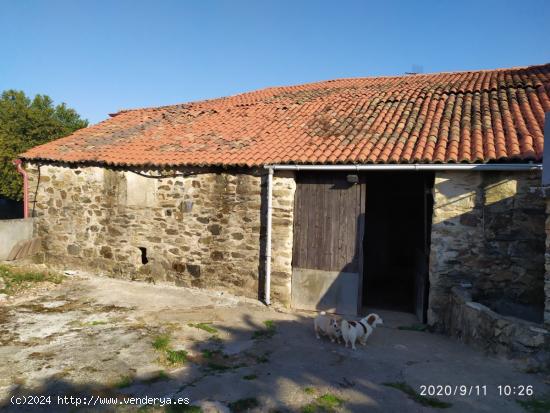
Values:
[(94, 335), (331, 291)]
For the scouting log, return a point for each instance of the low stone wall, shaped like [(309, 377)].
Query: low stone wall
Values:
[(478, 325), (547, 262), (200, 230), (487, 232)]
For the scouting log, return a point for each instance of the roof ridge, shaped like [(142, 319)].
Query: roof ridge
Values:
[(320, 82)]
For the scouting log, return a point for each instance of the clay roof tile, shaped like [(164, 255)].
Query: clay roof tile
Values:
[(475, 116)]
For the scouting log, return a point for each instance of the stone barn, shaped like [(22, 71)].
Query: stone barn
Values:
[(418, 193)]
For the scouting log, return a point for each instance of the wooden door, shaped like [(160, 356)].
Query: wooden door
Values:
[(328, 233)]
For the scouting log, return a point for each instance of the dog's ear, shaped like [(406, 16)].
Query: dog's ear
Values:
[(371, 319)]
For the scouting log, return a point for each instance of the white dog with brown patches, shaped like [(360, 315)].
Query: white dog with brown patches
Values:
[(327, 325), (359, 330)]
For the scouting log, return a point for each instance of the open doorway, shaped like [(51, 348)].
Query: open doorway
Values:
[(398, 215)]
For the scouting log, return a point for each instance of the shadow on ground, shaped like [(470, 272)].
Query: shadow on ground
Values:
[(240, 355)]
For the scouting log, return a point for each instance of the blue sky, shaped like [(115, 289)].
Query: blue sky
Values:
[(102, 56)]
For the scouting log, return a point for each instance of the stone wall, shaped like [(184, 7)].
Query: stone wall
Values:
[(201, 230), (487, 234), (547, 262), (481, 327)]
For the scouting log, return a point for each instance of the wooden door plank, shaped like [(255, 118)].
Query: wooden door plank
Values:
[(329, 214)]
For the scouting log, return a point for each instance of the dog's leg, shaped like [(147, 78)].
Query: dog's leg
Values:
[(353, 338)]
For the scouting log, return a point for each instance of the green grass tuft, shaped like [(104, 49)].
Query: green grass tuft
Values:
[(97, 323), (309, 390), (327, 403), (262, 358), (250, 377), (125, 381), (209, 354), (414, 395), (93, 323), (176, 356), (540, 405), (18, 279), (160, 375), (161, 342), (243, 405), (204, 326), (213, 366), (182, 408), (268, 332)]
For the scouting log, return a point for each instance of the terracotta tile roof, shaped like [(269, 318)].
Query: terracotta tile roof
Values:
[(481, 116)]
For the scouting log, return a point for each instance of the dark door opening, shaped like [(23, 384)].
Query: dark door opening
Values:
[(396, 243)]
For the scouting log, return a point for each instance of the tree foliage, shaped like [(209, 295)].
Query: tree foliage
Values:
[(25, 123)]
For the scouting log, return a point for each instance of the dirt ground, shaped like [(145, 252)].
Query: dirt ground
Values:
[(96, 337)]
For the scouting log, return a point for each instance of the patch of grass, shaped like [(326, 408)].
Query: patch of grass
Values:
[(92, 323), (160, 375), (209, 354), (263, 358), (414, 395), (161, 342), (327, 403), (176, 356), (260, 358), (18, 279), (540, 405), (124, 381), (250, 377), (213, 366), (182, 408), (98, 323), (309, 390), (204, 326), (268, 332), (243, 405), (414, 327), (214, 360), (216, 340)]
